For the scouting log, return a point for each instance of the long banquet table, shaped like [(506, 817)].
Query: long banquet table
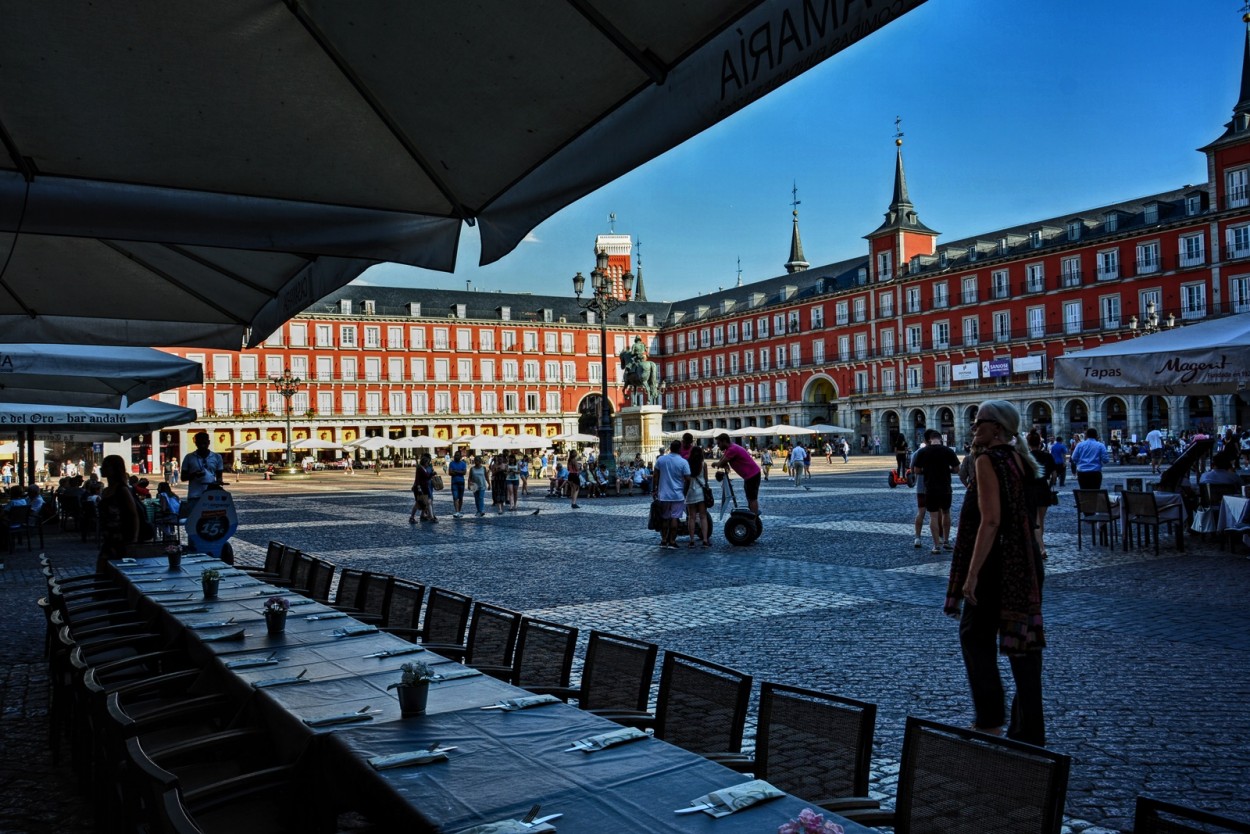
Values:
[(504, 762)]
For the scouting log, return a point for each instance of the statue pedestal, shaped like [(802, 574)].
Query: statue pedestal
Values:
[(638, 431)]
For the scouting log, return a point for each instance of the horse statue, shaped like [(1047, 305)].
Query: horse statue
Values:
[(641, 374)]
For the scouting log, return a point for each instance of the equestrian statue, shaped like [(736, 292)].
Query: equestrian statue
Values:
[(642, 376)]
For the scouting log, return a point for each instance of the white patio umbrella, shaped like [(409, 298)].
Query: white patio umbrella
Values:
[(315, 443), (370, 444), (752, 431), (263, 446), (95, 376), (419, 442), (227, 209), (786, 428), (825, 428), (575, 437), (1210, 357)]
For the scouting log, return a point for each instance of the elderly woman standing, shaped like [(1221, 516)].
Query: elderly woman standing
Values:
[(996, 572)]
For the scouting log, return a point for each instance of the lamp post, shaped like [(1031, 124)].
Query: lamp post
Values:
[(1151, 323), (287, 385), (601, 303)]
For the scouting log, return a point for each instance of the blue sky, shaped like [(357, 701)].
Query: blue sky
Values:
[(1010, 111)]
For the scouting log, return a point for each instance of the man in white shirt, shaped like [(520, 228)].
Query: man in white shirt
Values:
[(1154, 439), (672, 477), (798, 462), (201, 468)]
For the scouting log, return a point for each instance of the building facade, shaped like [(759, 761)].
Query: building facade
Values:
[(911, 335)]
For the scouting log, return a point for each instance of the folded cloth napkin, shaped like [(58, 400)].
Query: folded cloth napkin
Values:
[(526, 702), (724, 802), (277, 682), (128, 561), (184, 589), (397, 652), (237, 634), (345, 718), (249, 662), (606, 740), (412, 757), (332, 615), (193, 609), (355, 630), (509, 827), (210, 624), (456, 672), (148, 581)]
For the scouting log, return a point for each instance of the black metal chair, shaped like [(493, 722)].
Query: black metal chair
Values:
[(492, 640), (320, 578), (1154, 816), (1141, 511), (446, 619), (1095, 508), (617, 675), (18, 518), (543, 662), (402, 615), (272, 569), (958, 780)]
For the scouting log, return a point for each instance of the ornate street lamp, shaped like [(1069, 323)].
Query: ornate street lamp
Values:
[(287, 385), (602, 302), (1151, 323)]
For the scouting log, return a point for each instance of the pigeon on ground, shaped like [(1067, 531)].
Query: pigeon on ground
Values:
[(537, 511)]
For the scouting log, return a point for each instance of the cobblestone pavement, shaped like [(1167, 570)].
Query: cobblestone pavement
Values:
[(1147, 675)]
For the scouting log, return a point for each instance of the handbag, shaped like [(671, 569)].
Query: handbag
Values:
[(655, 520), (707, 494), (436, 481)]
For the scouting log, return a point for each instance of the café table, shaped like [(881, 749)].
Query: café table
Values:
[(1234, 514), (1170, 506), (504, 763)]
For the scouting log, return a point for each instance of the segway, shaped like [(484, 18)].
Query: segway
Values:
[(897, 480), (743, 526)]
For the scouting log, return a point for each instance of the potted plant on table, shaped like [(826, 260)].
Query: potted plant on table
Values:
[(174, 553), (413, 688), (210, 580), (276, 609)]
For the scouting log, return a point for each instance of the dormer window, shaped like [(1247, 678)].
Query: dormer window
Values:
[(914, 264), (1193, 205), (943, 259), (345, 306), (505, 313), (1035, 238), (631, 319), (1074, 229), (1002, 246), (650, 319), (861, 275), (590, 316), (459, 310), (1111, 222), (369, 308), (1151, 213), (972, 253), (414, 309), (547, 314)]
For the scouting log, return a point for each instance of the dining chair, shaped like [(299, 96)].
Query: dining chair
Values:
[(1141, 511), (1155, 816), (543, 662), (491, 642), (273, 562), (815, 745), (320, 578), (375, 597), (617, 675), (18, 518), (1095, 508), (301, 570), (446, 618), (701, 706), (963, 781), (402, 614), (347, 593)]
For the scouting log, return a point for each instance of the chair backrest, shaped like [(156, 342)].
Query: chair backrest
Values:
[(1210, 495), (18, 516), (702, 706), (1092, 501), (957, 780), (375, 596), (812, 743), (618, 672), (446, 617), (273, 557), (351, 582), (1140, 504), (1134, 485), (286, 563), (1154, 816), (320, 578), (403, 608), (301, 571), (492, 635), (544, 654)]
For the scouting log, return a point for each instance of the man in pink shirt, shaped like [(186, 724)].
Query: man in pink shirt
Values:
[(739, 459)]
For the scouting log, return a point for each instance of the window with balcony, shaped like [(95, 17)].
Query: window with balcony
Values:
[(941, 335), (1236, 182), (764, 358), (1239, 294), (913, 299), (510, 370), (1147, 257), (1000, 285), (420, 403), (915, 379), (490, 402), (818, 351), (442, 370), (860, 308), (487, 369), (733, 363), (530, 369), (705, 337), (395, 369), (888, 385), (395, 338), (440, 338), (529, 339), (592, 343), (325, 336), (1072, 317), (941, 297), (1108, 264), (510, 401), (531, 402), (844, 348), (347, 336), (348, 402), (746, 331), (1002, 326), (748, 361), (942, 376), (968, 290), (1034, 278), (885, 303), (761, 328), (1238, 241), (781, 356), (914, 342), (1193, 301), (885, 266), (861, 345), (817, 317), (397, 402), (550, 341), (732, 334), (418, 370), (570, 371), (718, 336), (972, 331), (553, 402), (707, 367), (1109, 311), (416, 338), (464, 403), (720, 364), (840, 313), (464, 370), (1193, 250), (373, 369), (373, 338)]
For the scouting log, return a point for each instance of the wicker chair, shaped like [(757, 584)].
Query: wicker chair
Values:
[(1094, 507), (957, 780), (320, 578), (492, 640), (1154, 816), (617, 675), (543, 661), (402, 614)]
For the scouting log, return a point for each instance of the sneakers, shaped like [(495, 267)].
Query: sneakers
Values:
[(936, 549), (457, 515), (916, 542), (946, 545)]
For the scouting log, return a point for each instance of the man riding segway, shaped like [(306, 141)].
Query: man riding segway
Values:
[(744, 526)]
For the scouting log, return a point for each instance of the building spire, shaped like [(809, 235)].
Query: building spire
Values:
[(901, 216), (796, 263), (640, 292), (1243, 102), (739, 271), (1238, 130)]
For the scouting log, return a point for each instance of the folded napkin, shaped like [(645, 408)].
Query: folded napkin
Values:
[(237, 634), (191, 609), (265, 684), (606, 740), (526, 702), (454, 673), (249, 662), (155, 591), (345, 718), (509, 827), (412, 757), (300, 601), (129, 561), (724, 802), (397, 652), (210, 624), (355, 630), (148, 581), (331, 615)]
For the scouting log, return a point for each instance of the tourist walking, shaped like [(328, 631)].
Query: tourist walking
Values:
[(698, 525), (845, 449), (498, 483), (1087, 460), (1059, 454), (1043, 495), (672, 477), (478, 482), (901, 455), (512, 481), (995, 586), (575, 477), (937, 463), (1154, 439), (766, 461), (918, 522), (423, 491), (456, 471), (798, 462)]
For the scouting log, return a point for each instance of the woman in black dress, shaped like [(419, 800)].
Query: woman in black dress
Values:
[(1042, 494), (119, 512)]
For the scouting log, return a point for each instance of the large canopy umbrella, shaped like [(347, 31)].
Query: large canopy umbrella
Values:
[(1210, 357), (229, 163), (261, 445), (421, 441), (575, 437), (92, 377), (825, 428), (59, 422), (751, 431), (315, 443), (371, 444)]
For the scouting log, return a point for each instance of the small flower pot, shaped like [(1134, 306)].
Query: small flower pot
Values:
[(413, 698), (175, 560), (210, 587), (275, 622)]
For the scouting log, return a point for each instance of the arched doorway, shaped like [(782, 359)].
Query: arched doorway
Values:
[(1201, 414), (1078, 417), (918, 422), (820, 399), (889, 420), (588, 414), (1041, 419), (1155, 413), (1241, 410), (1116, 414), (946, 425)]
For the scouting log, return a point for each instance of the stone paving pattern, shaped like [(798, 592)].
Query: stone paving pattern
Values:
[(1147, 675)]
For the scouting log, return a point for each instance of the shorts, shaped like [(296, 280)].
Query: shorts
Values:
[(937, 501), (1156, 454), (672, 509), (457, 490), (751, 487), (920, 500)]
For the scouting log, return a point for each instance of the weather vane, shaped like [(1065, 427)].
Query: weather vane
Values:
[(740, 270), (612, 223), (898, 125), (794, 198)]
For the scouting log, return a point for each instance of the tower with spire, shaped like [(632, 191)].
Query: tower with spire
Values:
[(797, 262), (640, 291), (1228, 157), (619, 250), (902, 235)]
